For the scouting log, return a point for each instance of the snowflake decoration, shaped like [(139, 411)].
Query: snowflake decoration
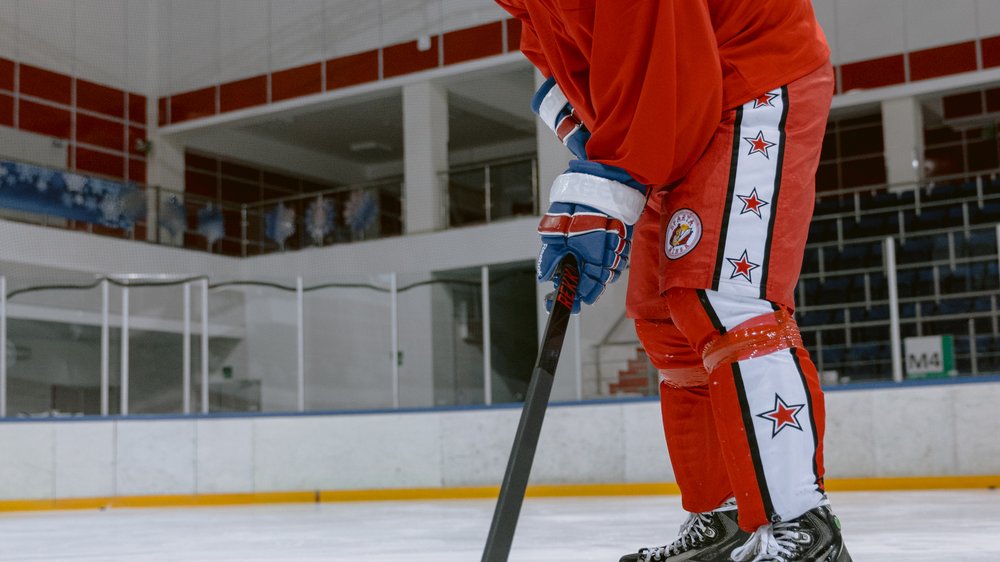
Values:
[(319, 220)]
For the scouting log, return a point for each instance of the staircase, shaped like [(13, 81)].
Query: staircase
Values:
[(639, 378)]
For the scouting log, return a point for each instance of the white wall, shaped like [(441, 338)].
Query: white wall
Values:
[(104, 41), (866, 29), (910, 431)]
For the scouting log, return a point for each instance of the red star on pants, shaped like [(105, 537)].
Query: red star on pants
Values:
[(752, 203), (742, 267), (764, 100), (782, 415), (759, 144)]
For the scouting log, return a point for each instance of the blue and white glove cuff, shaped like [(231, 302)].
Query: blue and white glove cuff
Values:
[(554, 109), (606, 195)]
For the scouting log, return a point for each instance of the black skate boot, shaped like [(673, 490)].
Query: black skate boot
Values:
[(704, 537), (813, 537)]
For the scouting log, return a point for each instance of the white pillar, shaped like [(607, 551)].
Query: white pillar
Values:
[(484, 287), (425, 146), (123, 388), (903, 137), (895, 341), (204, 345), (300, 368), (186, 350), (105, 347), (3, 346), (394, 335)]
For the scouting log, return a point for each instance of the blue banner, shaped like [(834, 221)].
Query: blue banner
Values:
[(35, 189)]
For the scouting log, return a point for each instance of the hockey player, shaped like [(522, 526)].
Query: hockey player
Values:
[(697, 127)]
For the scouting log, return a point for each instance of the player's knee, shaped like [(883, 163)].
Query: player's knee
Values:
[(677, 363), (757, 337), (724, 329)]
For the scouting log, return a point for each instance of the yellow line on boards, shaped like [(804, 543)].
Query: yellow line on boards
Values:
[(480, 492)]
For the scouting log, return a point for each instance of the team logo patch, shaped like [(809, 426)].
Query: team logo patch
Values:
[(682, 234), (782, 415)]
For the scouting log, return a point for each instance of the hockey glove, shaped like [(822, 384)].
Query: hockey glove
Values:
[(555, 111), (593, 208)]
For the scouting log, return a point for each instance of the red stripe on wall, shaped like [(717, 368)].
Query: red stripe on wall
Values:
[(352, 69), (243, 93), (295, 82), (962, 105), (993, 100), (513, 35), (99, 132), (6, 110), (45, 84), (473, 43), (405, 58), (200, 183), (100, 163), (6, 75), (44, 119), (161, 111), (136, 170), (137, 108), (874, 73), (942, 61), (991, 51), (100, 99), (192, 105)]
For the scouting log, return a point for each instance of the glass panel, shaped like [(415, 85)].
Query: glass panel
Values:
[(445, 318), (252, 361), (348, 364), (53, 332), (467, 197), (511, 190), (155, 348), (513, 330)]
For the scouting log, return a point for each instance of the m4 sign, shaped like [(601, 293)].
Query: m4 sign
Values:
[(929, 357)]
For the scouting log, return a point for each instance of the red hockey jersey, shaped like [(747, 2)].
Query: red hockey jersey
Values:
[(650, 78)]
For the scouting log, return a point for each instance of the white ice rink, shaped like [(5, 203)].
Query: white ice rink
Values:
[(941, 526)]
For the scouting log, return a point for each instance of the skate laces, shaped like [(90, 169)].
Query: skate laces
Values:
[(695, 530), (778, 542)]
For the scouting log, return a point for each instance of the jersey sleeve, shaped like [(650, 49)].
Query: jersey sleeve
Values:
[(655, 87), (644, 76)]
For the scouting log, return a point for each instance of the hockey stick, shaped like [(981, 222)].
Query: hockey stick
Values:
[(522, 454)]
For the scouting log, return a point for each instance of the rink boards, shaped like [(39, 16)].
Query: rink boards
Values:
[(915, 436)]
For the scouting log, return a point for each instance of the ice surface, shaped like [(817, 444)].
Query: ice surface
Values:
[(945, 526)]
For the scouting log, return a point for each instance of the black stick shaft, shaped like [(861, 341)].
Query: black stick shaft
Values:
[(522, 454)]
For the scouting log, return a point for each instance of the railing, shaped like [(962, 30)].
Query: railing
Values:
[(882, 266), (162, 344), (486, 192), (477, 193)]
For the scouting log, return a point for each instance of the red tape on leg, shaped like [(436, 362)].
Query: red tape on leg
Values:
[(756, 337)]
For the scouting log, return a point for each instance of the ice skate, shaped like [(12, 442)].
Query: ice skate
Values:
[(704, 537), (813, 537)]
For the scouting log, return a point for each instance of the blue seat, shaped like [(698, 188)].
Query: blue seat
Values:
[(868, 226), (948, 192), (931, 218), (916, 250), (833, 205), (878, 285), (989, 213), (810, 261), (823, 230), (980, 242)]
